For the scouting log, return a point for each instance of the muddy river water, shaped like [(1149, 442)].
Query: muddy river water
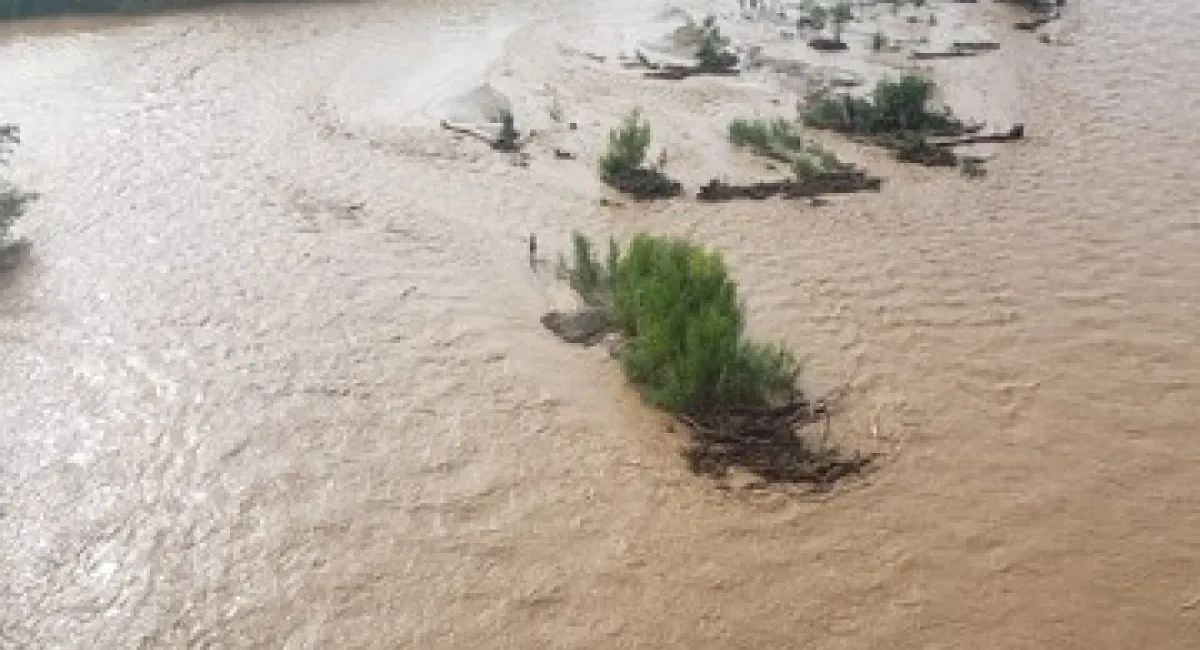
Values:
[(273, 376)]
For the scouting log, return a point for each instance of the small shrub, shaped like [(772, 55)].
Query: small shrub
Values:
[(818, 16), (686, 348), (878, 42), (842, 13), (714, 49), (12, 200), (973, 168), (627, 146), (684, 327), (508, 128), (807, 166), (894, 107), (585, 276), (773, 138), (901, 104), (556, 110)]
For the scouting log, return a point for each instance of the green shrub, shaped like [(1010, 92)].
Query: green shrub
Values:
[(755, 133), (684, 327), (627, 146), (781, 140), (818, 16), (878, 42), (777, 136), (842, 13), (586, 273), (714, 46), (894, 107), (900, 105), (12, 200)]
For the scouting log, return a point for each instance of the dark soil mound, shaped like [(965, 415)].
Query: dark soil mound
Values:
[(583, 327), (645, 184), (822, 44), (766, 443), (840, 182)]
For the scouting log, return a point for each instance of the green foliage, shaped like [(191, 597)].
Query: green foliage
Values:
[(841, 14), (819, 16), (806, 166), (585, 272), (714, 46), (878, 41), (973, 168), (900, 105), (556, 110), (627, 146), (12, 200), (764, 135), (781, 140), (684, 327), (894, 107)]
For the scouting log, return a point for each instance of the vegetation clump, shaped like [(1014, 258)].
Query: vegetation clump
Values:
[(841, 14), (622, 164), (685, 348), (894, 107), (714, 52), (896, 115), (781, 140), (684, 328), (12, 200)]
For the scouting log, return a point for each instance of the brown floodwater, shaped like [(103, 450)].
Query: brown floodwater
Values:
[(273, 375)]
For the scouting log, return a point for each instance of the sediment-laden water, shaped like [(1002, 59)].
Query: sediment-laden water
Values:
[(273, 376)]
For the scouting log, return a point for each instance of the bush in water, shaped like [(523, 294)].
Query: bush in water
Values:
[(684, 327), (627, 146)]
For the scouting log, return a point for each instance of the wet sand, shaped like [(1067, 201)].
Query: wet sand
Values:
[(274, 376)]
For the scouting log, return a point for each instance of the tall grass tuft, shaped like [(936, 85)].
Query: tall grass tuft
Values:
[(783, 141)]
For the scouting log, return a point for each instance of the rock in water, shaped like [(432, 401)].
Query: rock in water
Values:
[(12, 253), (585, 326)]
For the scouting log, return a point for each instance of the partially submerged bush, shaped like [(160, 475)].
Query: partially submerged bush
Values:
[(765, 135), (894, 107), (714, 52), (627, 146), (12, 200), (878, 42), (781, 140), (621, 164), (841, 14), (684, 326)]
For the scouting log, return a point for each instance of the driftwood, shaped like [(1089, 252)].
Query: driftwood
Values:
[(979, 46), (677, 72), (1032, 25), (839, 182), (1017, 132), (645, 184), (822, 44), (509, 144), (766, 442), (942, 54)]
